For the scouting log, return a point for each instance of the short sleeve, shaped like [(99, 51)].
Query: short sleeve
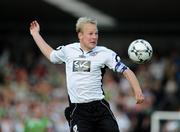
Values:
[(58, 56), (114, 62)]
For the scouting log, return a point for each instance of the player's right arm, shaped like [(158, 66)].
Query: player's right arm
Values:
[(41, 43)]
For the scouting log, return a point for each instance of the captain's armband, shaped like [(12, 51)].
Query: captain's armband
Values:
[(120, 67)]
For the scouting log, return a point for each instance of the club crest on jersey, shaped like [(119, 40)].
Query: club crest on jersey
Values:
[(81, 66), (93, 53)]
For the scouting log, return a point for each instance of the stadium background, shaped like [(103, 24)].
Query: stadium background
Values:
[(31, 88)]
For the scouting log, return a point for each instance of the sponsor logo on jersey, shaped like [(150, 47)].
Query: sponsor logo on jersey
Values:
[(81, 66)]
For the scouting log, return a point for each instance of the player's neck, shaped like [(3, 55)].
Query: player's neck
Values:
[(85, 49)]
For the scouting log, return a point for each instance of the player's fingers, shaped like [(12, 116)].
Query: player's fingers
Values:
[(36, 23), (33, 24), (140, 99)]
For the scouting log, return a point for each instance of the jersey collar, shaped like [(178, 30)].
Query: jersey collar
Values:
[(86, 52)]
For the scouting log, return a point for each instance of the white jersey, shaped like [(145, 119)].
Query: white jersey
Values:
[(84, 71)]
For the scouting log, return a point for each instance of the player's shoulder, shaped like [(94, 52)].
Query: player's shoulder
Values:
[(73, 45), (68, 46)]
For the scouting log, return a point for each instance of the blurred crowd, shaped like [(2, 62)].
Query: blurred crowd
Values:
[(33, 95)]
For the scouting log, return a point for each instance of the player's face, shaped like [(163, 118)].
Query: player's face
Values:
[(88, 36)]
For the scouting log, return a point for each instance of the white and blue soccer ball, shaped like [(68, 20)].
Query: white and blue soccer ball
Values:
[(140, 51)]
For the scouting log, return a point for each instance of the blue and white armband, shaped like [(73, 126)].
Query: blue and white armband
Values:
[(120, 67)]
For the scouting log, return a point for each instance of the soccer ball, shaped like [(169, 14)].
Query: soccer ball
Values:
[(140, 51)]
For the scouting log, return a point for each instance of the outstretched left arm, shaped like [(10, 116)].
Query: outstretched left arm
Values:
[(131, 77)]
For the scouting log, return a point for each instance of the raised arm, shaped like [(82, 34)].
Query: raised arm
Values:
[(41, 43), (130, 76)]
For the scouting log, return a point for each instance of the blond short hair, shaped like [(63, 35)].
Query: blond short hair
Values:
[(84, 20)]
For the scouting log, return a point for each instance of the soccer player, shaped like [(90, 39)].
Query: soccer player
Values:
[(85, 63)]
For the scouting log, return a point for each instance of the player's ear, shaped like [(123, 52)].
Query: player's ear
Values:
[(80, 35)]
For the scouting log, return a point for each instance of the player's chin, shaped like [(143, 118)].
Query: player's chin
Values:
[(93, 45)]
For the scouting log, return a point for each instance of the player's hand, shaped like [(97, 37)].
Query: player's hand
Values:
[(139, 97), (34, 27)]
